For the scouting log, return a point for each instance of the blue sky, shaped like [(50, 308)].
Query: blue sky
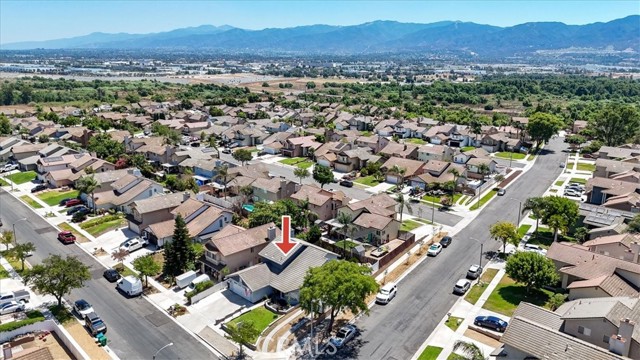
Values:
[(23, 20)]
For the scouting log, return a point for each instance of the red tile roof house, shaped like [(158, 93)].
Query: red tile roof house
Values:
[(236, 248), (203, 220), (299, 146), (125, 191)]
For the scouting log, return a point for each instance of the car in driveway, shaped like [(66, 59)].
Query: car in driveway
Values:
[(434, 249), (446, 241), (63, 202), (11, 307), (386, 293), (461, 287), (112, 275), (226, 151), (39, 187), (134, 244), (66, 237), (501, 191), (82, 307), (9, 167), (346, 183), (72, 202), (343, 335), (474, 272), (572, 192), (491, 322), (534, 248), (78, 208)]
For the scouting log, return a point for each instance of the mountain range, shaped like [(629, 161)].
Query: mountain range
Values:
[(369, 38)]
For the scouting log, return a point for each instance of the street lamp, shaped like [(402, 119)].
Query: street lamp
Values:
[(15, 236), (481, 248), (519, 210), (162, 348)]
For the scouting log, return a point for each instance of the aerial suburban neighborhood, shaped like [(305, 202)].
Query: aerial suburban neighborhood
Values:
[(237, 203)]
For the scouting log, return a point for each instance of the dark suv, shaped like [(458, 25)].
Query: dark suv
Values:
[(94, 324), (446, 241)]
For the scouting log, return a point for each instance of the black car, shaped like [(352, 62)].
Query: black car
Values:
[(346, 183), (39, 188), (112, 275), (491, 322), (446, 241), (76, 209)]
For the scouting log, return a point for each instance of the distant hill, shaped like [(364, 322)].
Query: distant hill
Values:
[(372, 37)]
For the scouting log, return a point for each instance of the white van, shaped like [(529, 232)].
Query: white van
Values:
[(199, 279), (130, 285)]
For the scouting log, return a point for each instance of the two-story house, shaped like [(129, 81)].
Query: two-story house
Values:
[(435, 152), (154, 210), (272, 189), (300, 146), (405, 151), (373, 219), (123, 192), (322, 202), (408, 169)]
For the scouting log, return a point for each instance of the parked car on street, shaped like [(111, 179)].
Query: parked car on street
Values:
[(346, 183), (22, 296), (386, 293), (82, 307), (112, 275), (134, 244), (73, 202), (11, 307), (38, 187), (474, 272), (501, 191), (446, 241), (130, 285), (94, 324), (434, 249), (76, 208), (343, 335), (491, 322), (461, 286), (66, 237)]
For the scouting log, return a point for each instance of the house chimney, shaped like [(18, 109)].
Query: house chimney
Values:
[(621, 342), (185, 196), (271, 233), (283, 188)]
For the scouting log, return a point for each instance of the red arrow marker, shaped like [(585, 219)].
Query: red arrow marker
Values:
[(286, 245)]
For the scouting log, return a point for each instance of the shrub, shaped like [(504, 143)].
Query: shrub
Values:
[(32, 318), (200, 287)]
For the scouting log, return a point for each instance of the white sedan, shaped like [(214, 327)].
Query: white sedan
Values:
[(434, 249), (11, 307)]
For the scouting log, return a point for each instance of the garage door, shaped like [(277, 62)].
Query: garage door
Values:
[(239, 289), (324, 162)]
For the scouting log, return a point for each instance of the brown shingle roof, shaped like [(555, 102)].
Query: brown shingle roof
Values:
[(240, 241)]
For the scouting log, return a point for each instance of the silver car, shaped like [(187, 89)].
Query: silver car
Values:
[(461, 286), (343, 335), (11, 307)]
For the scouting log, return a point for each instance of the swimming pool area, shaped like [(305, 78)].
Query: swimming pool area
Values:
[(248, 207)]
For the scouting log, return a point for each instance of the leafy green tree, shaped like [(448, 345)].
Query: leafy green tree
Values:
[(634, 225), (323, 175), (88, 185), (5, 125), (399, 172), (581, 234), (147, 266), (242, 333), (43, 138), (576, 140), (531, 269), (22, 251), (615, 124), (314, 234), (178, 254), (6, 238), (57, 276), (301, 173), (505, 232), (556, 301), (337, 285), (559, 213), (470, 350), (542, 127), (215, 111), (536, 206), (222, 173), (105, 147), (242, 155)]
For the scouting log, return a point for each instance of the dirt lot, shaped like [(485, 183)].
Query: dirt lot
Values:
[(482, 338)]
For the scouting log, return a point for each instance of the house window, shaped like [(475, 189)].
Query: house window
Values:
[(220, 222), (584, 331), (251, 249), (605, 339)]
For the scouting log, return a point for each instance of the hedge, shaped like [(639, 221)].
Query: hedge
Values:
[(200, 287), (32, 318)]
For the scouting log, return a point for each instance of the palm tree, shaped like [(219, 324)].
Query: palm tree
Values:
[(470, 350), (536, 206), (402, 203), (213, 143), (301, 173), (557, 223), (222, 172), (398, 171), (345, 220), (483, 169), (88, 185), (476, 129)]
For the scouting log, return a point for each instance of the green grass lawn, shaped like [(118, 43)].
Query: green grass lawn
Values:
[(22, 177), (125, 270), (367, 180), (508, 155), (3, 273), (531, 157), (408, 225), (349, 244), (544, 238), (415, 141), (586, 167), (507, 295), (97, 227), (53, 198), (61, 314), (578, 180), (79, 237), (430, 353), (523, 229), (476, 290), (467, 148), (304, 164), (559, 183), (260, 316), (3, 182), (436, 199), (484, 199), (454, 356), (292, 161), (29, 201), (453, 322)]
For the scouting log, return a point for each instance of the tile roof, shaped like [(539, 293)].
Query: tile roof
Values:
[(539, 314), (585, 264), (243, 240), (613, 285), (292, 277), (412, 167), (112, 197), (271, 185), (188, 207), (317, 196), (160, 202), (625, 239), (255, 277)]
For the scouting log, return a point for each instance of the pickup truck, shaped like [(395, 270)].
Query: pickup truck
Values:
[(18, 296), (8, 167)]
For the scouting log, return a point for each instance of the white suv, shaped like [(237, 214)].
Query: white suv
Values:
[(133, 244), (535, 248), (386, 293)]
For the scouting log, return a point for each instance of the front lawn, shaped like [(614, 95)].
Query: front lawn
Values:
[(484, 199), (292, 161), (61, 314), (430, 353), (31, 202), (467, 148), (507, 295), (367, 180), (510, 155), (578, 180), (408, 225), (79, 237), (304, 164), (415, 141), (22, 177), (544, 238), (53, 198), (586, 167), (453, 322), (559, 183), (345, 243), (101, 225), (523, 230), (436, 199), (261, 318), (3, 273), (3, 182), (478, 289)]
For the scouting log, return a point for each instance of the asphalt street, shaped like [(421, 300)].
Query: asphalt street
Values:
[(396, 330), (136, 329)]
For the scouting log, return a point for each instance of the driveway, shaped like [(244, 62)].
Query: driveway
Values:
[(213, 307)]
